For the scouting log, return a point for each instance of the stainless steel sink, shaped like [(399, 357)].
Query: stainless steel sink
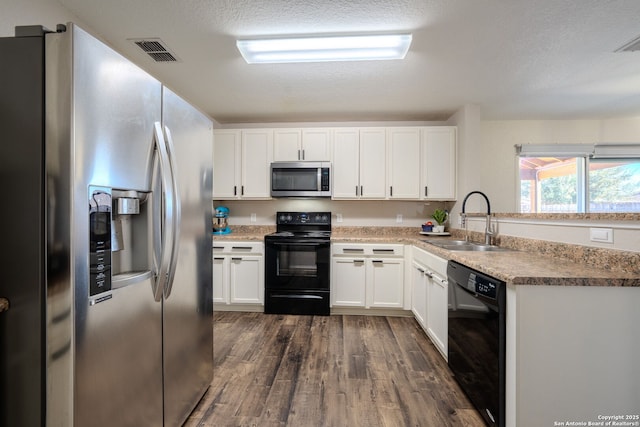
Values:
[(462, 245)]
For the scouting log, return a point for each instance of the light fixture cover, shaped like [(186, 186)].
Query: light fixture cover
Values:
[(324, 49)]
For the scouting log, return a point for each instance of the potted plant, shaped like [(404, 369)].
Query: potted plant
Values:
[(440, 216)]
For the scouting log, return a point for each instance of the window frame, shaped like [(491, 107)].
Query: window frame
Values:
[(583, 153)]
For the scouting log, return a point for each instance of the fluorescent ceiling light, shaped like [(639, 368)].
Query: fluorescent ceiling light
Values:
[(324, 49)]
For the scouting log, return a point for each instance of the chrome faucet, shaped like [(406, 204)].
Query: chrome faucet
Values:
[(489, 231)]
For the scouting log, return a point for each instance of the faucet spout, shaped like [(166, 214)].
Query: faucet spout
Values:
[(489, 231), (464, 202)]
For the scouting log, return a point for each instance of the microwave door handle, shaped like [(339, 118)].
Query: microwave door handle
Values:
[(319, 179)]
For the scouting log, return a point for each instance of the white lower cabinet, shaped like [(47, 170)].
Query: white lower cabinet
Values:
[(238, 274), (430, 296), (367, 275), (348, 282), (419, 293)]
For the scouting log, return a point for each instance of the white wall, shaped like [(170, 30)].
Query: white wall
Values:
[(33, 12), (497, 157), (354, 213)]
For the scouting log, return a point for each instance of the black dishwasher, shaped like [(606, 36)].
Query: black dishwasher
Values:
[(476, 339)]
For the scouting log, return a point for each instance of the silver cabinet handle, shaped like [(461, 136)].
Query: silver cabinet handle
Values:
[(4, 305), (425, 191), (353, 250), (356, 190), (384, 251)]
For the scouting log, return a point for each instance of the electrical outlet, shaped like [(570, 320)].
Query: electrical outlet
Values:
[(253, 217), (399, 218), (339, 217), (604, 235)]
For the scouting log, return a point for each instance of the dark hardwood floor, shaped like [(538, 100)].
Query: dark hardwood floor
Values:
[(276, 370)]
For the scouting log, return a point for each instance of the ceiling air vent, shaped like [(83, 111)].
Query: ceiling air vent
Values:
[(156, 49), (632, 46)]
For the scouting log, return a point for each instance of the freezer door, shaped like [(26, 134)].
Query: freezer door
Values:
[(188, 303), (117, 333)]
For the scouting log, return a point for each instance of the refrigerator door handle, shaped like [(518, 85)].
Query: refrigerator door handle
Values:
[(168, 209), (175, 225)]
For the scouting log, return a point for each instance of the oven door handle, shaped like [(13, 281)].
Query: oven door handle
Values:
[(296, 296), (300, 243)]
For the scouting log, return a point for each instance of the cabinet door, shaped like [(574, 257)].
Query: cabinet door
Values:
[(386, 283), (348, 282), (220, 279), (403, 155), (419, 294), (287, 145), (346, 164), (257, 155), (372, 164), (437, 312), (246, 284), (439, 163), (316, 144), (226, 164)]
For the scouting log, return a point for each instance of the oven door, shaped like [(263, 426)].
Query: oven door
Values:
[(297, 264)]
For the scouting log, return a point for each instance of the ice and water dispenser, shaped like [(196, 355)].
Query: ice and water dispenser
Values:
[(121, 229)]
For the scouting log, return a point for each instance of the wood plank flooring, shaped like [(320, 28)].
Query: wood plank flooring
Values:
[(311, 371)]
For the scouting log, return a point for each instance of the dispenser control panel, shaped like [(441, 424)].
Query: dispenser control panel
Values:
[(99, 240)]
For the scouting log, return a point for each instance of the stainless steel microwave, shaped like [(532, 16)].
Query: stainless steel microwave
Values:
[(301, 179)]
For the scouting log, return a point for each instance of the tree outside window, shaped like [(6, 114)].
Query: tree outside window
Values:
[(579, 184)]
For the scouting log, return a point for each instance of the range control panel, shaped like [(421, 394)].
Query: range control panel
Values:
[(307, 218)]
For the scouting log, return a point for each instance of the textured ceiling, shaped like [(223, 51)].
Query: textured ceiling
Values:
[(516, 59)]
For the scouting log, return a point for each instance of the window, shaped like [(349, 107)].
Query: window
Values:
[(614, 185), (579, 178)]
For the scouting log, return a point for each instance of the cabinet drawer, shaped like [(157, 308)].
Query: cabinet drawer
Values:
[(433, 262), (367, 249), (240, 248)]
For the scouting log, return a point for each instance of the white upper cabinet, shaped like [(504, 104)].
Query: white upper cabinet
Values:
[(316, 144), (241, 161), (346, 164), (302, 144), (359, 163), (257, 152), (378, 163), (226, 164), (403, 163), (373, 177), (438, 171)]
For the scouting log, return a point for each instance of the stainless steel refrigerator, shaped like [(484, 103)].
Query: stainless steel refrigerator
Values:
[(106, 218)]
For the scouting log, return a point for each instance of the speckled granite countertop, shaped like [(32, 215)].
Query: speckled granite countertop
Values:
[(530, 263)]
